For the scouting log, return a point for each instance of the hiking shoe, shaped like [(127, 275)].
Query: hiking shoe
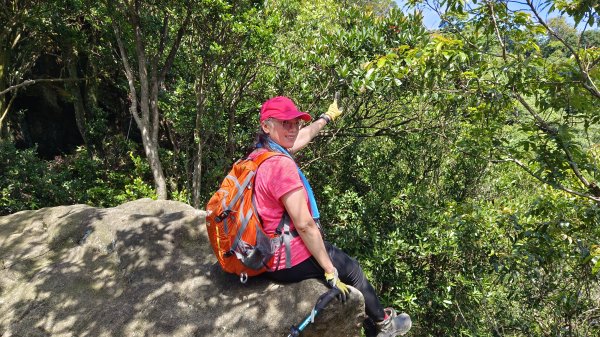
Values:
[(394, 324)]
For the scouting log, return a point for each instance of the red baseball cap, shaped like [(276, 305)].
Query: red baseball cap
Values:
[(282, 108)]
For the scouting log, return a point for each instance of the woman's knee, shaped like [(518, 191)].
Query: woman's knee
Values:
[(349, 269)]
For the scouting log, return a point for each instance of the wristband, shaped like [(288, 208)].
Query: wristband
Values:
[(326, 118)]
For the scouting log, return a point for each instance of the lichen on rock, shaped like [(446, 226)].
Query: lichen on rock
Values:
[(144, 268)]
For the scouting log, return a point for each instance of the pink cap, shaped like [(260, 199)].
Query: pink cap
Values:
[(282, 108)]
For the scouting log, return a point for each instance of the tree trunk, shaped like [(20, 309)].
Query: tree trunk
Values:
[(78, 103), (148, 124), (3, 85), (143, 121), (148, 117), (91, 103), (230, 125), (197, 171), (151, 150)]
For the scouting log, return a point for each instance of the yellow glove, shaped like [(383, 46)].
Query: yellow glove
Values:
[(334, 282), (332, 113)]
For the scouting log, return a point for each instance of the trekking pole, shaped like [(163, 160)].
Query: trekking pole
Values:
[(322, 302)]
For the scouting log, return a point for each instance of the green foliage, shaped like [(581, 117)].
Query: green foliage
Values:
[(548, 137), (548, 247), (587, 11), (25, 184), (461, 174), (32, 183), (590, 39)]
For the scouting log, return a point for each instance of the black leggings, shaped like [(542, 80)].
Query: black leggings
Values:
[(349, 272)]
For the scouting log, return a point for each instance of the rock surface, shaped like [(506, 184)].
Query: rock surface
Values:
[(144, 268)]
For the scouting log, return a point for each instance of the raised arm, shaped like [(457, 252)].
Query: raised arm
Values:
[(307, 133)]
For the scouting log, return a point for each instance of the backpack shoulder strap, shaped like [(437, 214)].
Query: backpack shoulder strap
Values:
[(264, 156)]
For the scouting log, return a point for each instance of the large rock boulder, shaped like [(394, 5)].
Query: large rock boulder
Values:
[(144, 268)]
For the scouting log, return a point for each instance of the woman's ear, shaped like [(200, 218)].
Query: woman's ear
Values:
[(265, 126)]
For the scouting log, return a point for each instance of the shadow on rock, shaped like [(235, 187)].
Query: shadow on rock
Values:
[(144, 268)]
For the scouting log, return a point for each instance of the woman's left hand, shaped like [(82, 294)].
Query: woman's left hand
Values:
[(333, 112), (334, 281)]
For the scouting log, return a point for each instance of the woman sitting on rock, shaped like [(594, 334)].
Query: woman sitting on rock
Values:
[(281, 187)]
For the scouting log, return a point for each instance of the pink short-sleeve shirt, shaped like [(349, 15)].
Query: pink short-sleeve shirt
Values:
[(275, 177)]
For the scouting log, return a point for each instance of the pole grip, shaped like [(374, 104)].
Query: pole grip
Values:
[(322, 302), (326, 298)]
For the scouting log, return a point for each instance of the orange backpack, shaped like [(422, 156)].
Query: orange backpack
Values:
[(234, 227)]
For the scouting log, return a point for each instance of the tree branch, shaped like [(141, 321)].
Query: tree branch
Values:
[(552, 132), (40, 80), (163, 38), (327, 154), (5, 113), (588, 83), (497, 30), (175, 46), (128, 74), (541, 123), (555, 185)]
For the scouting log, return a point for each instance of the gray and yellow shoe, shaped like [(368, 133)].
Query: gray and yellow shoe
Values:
[(394, 324)]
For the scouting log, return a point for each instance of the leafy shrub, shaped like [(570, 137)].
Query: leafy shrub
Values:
[(26, 182), (32, 183)]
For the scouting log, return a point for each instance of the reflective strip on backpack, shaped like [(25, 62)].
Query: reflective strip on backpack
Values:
[(237, 184), (287, 238), (245, 219), (224, 207), (241, 188)]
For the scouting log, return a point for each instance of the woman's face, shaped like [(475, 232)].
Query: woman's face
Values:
[(282, 132)]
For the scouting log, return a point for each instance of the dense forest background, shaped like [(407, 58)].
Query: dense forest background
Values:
[(463, 173)]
